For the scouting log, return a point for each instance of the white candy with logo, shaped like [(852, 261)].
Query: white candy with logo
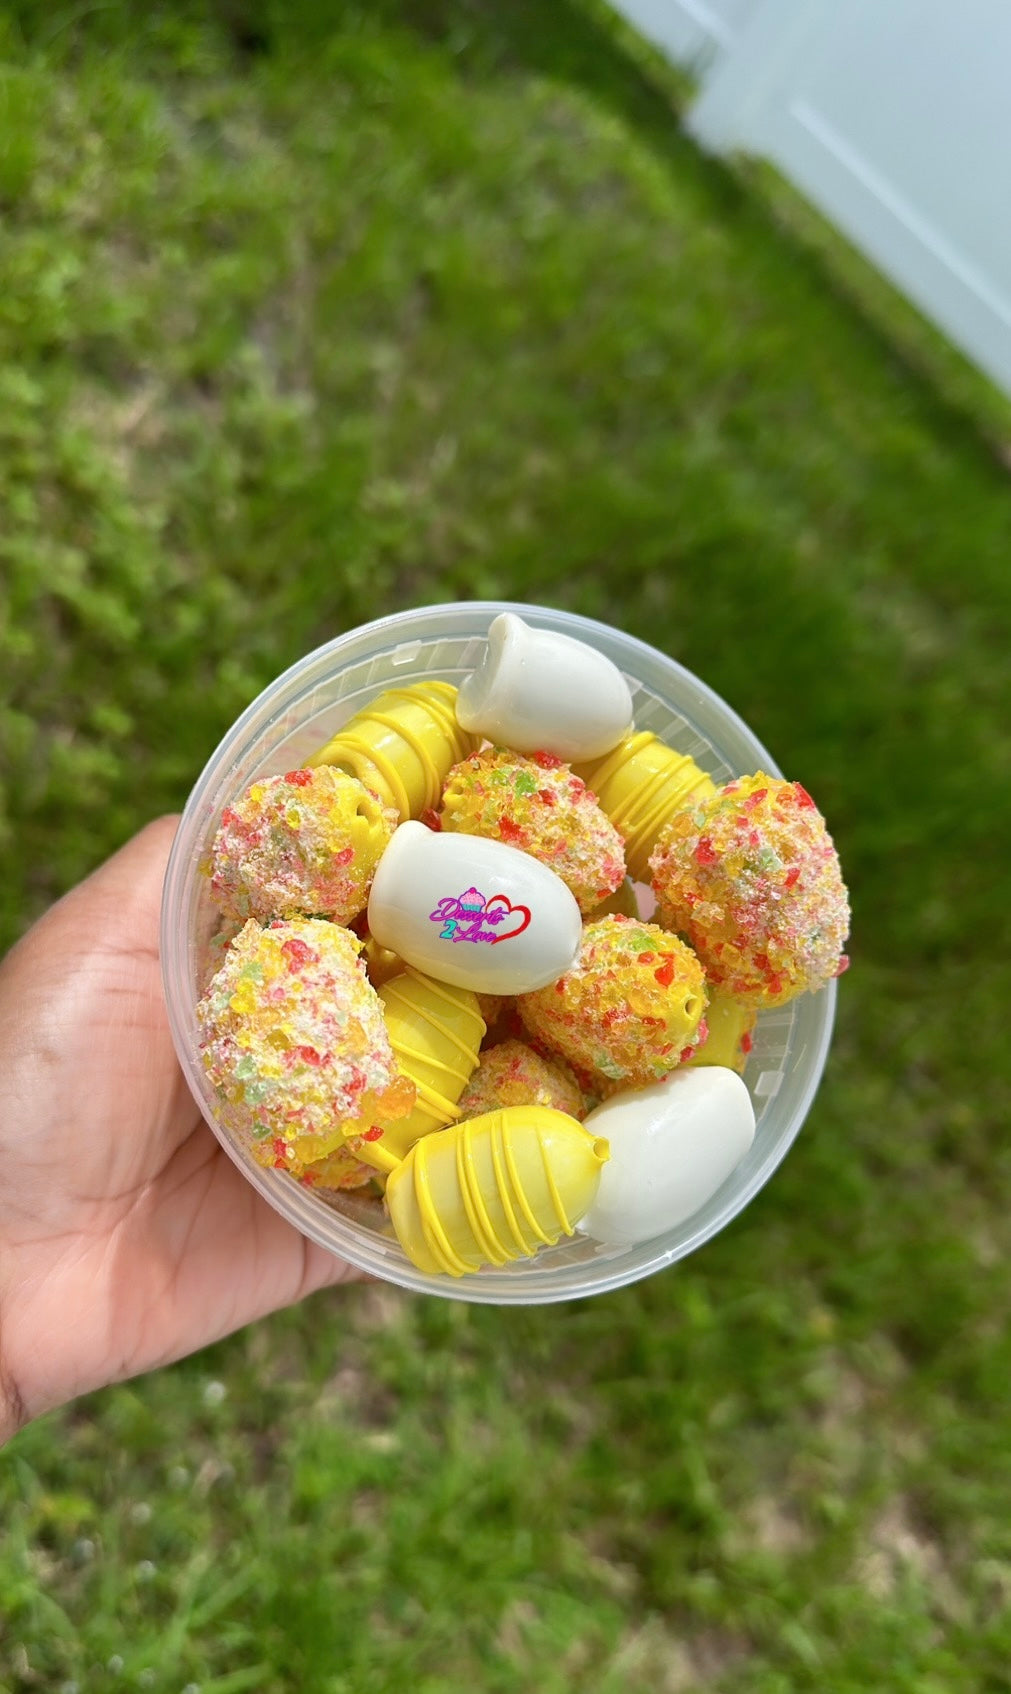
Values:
[(472, 912)]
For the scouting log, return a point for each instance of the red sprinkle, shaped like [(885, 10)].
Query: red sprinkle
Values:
[(298, 779), (547, 796), (665, 974), (843, 965), (345, 856), (297, 953), (510, 831), (792, 876), (309, 1054), (547, 761), (705, 852), (431, 819), (746, 1042), (373, 1134), (804, 799)]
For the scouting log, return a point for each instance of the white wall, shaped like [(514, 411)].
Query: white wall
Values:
[(892, 116), (691, 32)]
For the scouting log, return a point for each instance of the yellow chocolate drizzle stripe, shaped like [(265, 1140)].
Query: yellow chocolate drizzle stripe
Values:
[(448, 1110), (411, 1008), (404, 1051), (440, 699), (466, 1049), (556, 1199), (379, 1157), (502, 1184), (601, 774), (436, 1239), (628, 811), (481, 1226), (347, 749), (443, 991), (517, 1188), (354, 746), (641, 815)]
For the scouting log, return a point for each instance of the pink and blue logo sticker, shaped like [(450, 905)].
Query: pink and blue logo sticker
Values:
[(473, 918)]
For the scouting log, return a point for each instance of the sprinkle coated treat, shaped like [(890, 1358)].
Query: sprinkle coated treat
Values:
[(338, 1172), (512, 1074), (751, 878), (540, 806), (305, 843), (295, 1047), (631, 1009)]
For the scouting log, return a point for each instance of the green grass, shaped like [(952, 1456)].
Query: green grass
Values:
[(314, 312)]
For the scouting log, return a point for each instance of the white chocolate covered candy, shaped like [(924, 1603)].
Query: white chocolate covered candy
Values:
[(539, 691), (673, 1145), (473, 912)]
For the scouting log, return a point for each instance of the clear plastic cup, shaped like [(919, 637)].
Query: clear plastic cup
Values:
[(289, 722)]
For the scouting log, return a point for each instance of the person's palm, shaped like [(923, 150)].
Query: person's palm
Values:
[(127, 1236)]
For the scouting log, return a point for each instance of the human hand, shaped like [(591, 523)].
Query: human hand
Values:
[(127, 1236)]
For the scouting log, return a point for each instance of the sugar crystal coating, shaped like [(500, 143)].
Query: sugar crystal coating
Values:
[(305, 843), (294, 1044), (631, 1007), (512, 1074), (750, 876), (539, 805), (339, 1171)]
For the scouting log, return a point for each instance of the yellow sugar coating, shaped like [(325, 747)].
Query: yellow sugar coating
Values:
[(540, 806), (294, 1045), (751, 877), (304, 843), (512, 1074), (630, 1008), (729, 1040), (339, 1171), (639, 784), (435, 1030), (402, 745), (494, 1189)]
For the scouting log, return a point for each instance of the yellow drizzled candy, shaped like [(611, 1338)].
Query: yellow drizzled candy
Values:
[(494, 1189), (639, 785), (402, 745), (435, 1031)]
